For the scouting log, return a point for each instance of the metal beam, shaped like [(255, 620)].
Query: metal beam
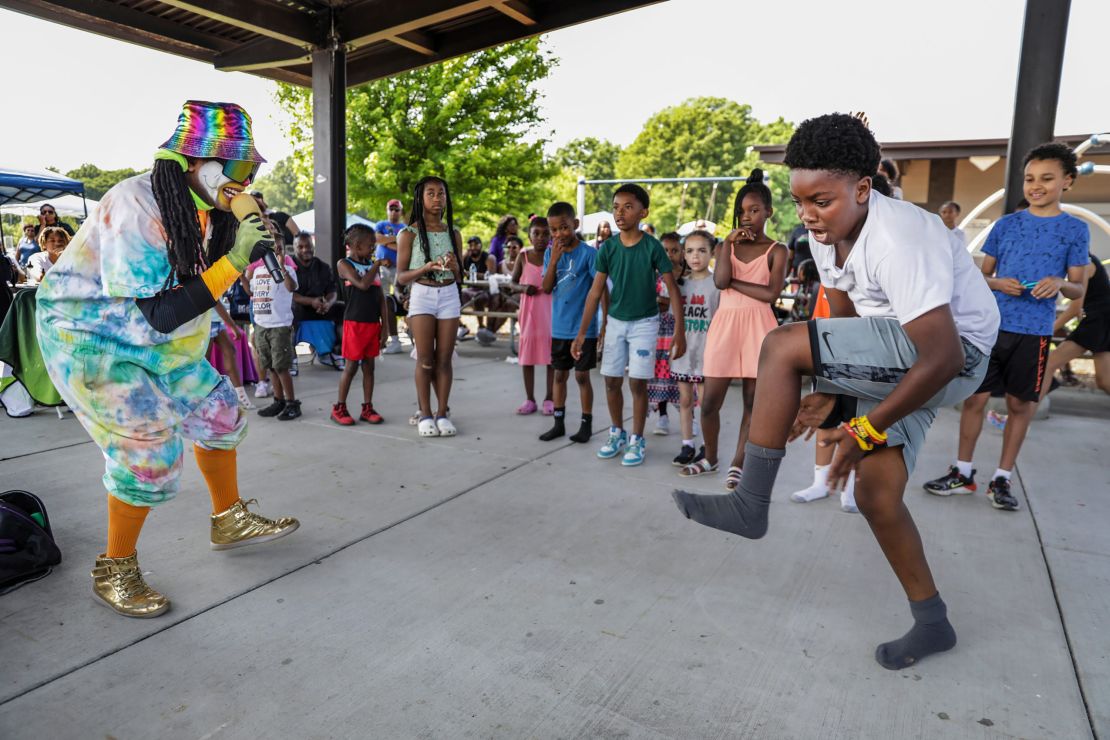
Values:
[(417, 41), (1038, 87), (329, 152), (481, 36), (518, 11), (262, 54), (380, 20), (119, 22), (268, 19)]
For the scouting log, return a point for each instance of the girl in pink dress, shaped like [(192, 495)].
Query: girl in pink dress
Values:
[(534, 316), (750, 271)]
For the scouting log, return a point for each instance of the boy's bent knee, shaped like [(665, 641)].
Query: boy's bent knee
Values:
[(582, 377)]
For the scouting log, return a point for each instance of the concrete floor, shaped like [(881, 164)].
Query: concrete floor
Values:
[(493, 585)]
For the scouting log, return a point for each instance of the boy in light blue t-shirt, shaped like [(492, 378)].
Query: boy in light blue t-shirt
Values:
[(568, 273)]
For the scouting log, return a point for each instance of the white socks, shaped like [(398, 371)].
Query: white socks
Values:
[(964, 468), (848, 495), (818, 490), (1000, 473)]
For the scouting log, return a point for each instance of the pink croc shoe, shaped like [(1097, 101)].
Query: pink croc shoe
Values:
[(548, 407), (528, 407)]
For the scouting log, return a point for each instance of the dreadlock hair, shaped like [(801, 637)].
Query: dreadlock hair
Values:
[(754, 184), (503, 226), (836, 142), (417, 217), (184, 241), (1062, 153)]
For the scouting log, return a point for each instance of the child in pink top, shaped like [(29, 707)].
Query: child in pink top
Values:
[(749, 272), (534, 316)]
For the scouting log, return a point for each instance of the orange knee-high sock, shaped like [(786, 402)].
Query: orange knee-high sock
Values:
[(219, 471), (124, 524)]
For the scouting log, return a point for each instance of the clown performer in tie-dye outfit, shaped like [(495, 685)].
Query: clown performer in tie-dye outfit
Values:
[(123, 323)]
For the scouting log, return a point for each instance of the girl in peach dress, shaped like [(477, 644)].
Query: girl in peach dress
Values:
[(750, 270)]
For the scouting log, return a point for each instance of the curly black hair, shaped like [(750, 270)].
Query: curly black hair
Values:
[(184, 239), (636, 192), (1062, 153), (754, 184), (836, 142)]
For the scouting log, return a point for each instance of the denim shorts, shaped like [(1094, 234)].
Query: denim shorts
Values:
[(630, 344)]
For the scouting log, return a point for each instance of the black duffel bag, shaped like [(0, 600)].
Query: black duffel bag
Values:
[(27, 548)]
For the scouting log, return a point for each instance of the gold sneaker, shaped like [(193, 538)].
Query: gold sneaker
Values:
[(238, 527), (118, 584)]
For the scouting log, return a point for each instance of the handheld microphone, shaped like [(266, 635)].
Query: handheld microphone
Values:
[(244, 206)]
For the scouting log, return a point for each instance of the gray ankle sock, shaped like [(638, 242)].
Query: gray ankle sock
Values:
[(931, 633), (744, 511)]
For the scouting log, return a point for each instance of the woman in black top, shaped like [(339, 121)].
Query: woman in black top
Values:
[(1093, 333), (48, 216)]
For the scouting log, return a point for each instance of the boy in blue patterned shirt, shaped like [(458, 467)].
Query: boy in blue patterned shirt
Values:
[(1031, 256)]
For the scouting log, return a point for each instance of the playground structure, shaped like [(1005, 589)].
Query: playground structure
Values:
[(1085, 168)]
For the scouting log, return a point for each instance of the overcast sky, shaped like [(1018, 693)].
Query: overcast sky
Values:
[(924, 70)]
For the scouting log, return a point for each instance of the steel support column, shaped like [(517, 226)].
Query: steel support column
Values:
[(1038, 86), (329, 152)]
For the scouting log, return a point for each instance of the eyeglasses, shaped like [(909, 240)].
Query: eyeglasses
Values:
[(240, 171), (47, 213)]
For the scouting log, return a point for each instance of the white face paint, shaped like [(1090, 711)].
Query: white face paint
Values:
[(212, 185)]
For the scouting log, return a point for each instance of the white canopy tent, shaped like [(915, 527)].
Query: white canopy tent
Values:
[(306, 221), (65, 205), (590, 222)]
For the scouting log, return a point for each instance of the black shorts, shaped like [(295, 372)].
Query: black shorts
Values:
[(1017, 366), (561, 358), (1093, 333)]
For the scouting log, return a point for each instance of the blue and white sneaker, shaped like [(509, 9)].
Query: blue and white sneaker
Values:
[(613, 446), (634, 454)]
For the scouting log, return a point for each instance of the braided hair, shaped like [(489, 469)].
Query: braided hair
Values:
[(754, 184), (184, 240), (417, 217)]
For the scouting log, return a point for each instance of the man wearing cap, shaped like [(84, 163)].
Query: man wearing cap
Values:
[(123, 321), (387, 232), (282, 220)]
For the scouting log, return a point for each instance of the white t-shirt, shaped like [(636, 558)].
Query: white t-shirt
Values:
[(960, 235), (38, 264), (271, 303), (904, 264)]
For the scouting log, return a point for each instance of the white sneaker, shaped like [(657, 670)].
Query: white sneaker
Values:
[(244, 399), (394, 346), (662, 425), (262, 389), (848, 495)]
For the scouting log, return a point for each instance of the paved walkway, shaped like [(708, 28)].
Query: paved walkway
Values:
[(496, 586)]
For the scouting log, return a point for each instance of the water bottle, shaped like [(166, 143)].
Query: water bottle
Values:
[(473, 273)]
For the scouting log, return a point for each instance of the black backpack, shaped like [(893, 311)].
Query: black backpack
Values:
[(27, 548)]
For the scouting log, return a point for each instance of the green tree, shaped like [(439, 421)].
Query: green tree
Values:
[(98, 181), (593, 159), (473, 120), (702, 137), (283, 189)]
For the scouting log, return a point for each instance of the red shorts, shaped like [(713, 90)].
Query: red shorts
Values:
[(361, 340)]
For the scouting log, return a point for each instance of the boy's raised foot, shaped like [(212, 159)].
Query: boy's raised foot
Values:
[(952, 483), (614, 445), (340, 415)]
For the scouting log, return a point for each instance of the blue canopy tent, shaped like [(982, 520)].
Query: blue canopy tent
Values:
[(17, 186)]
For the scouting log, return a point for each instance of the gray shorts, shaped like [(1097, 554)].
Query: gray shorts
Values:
[(867, 357)]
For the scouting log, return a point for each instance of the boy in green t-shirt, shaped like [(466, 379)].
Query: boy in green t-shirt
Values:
[(632, 259)]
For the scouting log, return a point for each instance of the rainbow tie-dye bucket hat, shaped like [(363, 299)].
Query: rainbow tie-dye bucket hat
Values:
[(214, 131)]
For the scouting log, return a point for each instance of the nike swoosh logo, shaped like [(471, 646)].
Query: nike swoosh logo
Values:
[(825, 336)]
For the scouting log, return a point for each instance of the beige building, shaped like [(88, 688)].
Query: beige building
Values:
[(970, 170)]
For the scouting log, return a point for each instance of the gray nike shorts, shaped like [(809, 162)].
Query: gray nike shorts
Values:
[(867, 357)]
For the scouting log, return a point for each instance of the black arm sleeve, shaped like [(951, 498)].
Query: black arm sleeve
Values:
[(172, 308)]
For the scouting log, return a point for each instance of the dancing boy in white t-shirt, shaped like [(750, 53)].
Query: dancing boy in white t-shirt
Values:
[(895, 281)]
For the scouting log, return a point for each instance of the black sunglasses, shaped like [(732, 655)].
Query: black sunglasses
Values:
[(47, 213)]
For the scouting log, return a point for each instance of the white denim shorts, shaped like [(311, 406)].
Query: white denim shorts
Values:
[(441, 302), (630, 344)]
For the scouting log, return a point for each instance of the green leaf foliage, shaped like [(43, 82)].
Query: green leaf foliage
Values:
[(593, 159), (98, 181), (282, 189), (472, 120), (702, 137)]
